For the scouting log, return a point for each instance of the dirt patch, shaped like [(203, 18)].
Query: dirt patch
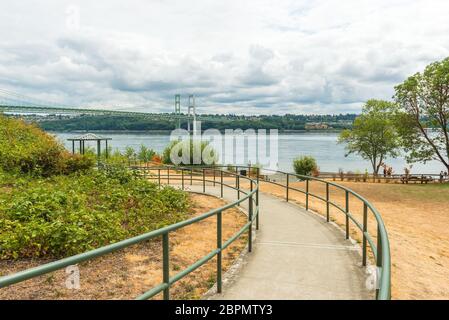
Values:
[(416, 218), (130, 272)]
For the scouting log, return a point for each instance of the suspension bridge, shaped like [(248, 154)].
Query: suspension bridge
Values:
[(16, 103)]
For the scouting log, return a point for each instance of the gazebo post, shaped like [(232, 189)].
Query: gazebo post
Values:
[(81, 147), (98, 149), (107, 150), (73, 146)]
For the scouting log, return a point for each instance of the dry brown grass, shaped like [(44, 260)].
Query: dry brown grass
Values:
[(417, 220), (128, 273)]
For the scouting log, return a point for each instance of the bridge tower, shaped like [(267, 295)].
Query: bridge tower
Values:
[(192, 108), (178, 110)]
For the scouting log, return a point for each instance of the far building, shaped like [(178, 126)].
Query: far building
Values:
[(316, 126)]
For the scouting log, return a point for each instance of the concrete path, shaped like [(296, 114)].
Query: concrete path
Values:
[(296, 255)]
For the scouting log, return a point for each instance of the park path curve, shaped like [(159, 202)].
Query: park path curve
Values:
[(296, 255)]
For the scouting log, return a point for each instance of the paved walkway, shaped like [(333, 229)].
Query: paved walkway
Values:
[(296, 255)]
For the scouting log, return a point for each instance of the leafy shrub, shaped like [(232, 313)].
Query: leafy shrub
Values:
[(145, 154), (69, 214), (305, 165), (54, 204), (208, 154), (24, 148), (118, 172), (130, 154), (76, 163)]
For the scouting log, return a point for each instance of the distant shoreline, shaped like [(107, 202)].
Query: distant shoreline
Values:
[(168, 131)]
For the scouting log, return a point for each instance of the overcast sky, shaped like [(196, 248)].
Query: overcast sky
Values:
[(245, 57)]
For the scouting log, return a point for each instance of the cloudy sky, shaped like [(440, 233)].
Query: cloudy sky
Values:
[(244, 57)]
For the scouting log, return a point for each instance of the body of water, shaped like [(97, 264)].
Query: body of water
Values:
[(322, 146)]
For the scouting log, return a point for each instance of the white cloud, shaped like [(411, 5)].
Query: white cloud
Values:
[(236, 56)]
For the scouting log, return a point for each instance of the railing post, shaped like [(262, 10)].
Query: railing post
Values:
[(214, 176), (182, 178), (238, 187), (307, 194), (168, 175), (379, 256), (191, 176), (236, 174), (288, 179), (159, 177), (257, 199), (365, 229), (237, 182), (221, 183), (166, 265), (250, 229), (327, 202), (219, 255), (347, 211), (204, 180)]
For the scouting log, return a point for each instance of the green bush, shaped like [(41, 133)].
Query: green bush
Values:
[(206, 148), (130, 154), (305, 165), (76, 163), (69, 214), (53, 204), (145, 154), (24, 148)]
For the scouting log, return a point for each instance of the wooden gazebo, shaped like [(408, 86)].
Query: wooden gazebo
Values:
[(89, 137)]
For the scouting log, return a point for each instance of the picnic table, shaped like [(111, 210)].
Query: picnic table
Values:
[(416, 179)]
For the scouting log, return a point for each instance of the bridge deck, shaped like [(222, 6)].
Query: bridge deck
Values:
[(296, 255)]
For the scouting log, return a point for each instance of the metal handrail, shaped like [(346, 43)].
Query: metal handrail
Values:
[(253, 214), (381, 250)]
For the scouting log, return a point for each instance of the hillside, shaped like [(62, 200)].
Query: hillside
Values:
[(220, 122)]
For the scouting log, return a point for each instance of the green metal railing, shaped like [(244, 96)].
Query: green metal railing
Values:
[(380, 250), (253, 214), (216, 175)]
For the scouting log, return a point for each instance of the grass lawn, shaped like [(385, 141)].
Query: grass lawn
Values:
[(417, 220)]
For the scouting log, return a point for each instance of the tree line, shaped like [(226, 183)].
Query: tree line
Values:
[(208, 121)]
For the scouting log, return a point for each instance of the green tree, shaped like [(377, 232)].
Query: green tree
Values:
[(373, 136), (130, 154), (145, 154), (305, 165), (423, 114)]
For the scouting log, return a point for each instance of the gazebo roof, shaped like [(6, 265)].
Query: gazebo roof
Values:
[(88, 137)]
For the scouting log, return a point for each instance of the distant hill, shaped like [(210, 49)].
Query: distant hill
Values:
[(220, 122)]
